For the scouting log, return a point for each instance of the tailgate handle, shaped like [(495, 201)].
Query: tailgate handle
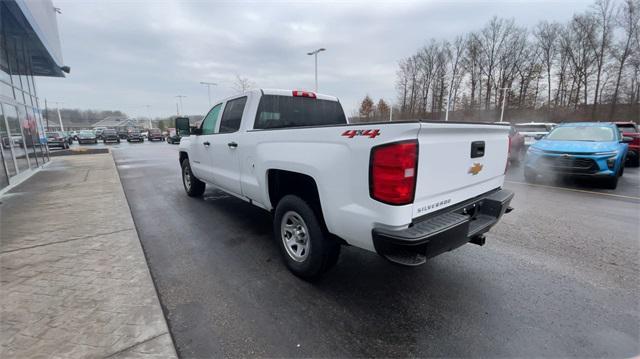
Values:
[(477, 149)]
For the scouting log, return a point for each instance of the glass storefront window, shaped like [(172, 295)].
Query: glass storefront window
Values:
[(36, 134), (5, 147), (30, 132), (4, 175), (15, 136), (6, 90)]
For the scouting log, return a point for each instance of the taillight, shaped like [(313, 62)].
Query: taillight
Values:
[(392, 172), (308, 94)]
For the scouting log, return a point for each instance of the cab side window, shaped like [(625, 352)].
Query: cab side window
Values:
[(232, 115), (209, 123)]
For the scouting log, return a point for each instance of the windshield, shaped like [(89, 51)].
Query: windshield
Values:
[(86, 133), (53, 135), (154, 131), (532, 128), (582, 133), (628, 128), (109, 132)]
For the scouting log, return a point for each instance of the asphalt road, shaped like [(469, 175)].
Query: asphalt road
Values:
[(558, 277)]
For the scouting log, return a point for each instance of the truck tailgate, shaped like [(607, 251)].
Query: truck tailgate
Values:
[(457, 162)]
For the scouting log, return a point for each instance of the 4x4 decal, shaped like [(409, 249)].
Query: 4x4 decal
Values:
[(368, 133)]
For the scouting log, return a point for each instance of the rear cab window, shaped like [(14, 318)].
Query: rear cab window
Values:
[(277, 111)]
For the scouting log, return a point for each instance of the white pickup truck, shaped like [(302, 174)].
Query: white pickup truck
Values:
[(406, 190)]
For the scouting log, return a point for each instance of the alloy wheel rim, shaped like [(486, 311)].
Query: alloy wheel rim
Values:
[(186, 177), (295, 236)]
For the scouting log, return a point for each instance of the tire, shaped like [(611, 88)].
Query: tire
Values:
[(193, 186), (530, 176), (611, 182), (95, 142), (118, 140), (306, 249)]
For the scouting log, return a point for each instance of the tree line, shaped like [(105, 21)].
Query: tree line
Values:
[(588, 65)]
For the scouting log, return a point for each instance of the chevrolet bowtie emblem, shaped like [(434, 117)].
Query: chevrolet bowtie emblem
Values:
[(475, 169)]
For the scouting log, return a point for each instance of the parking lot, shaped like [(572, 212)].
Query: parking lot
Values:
[(559, 276)]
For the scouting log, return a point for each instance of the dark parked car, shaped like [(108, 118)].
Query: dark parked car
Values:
[(110, 135), (87, 136), (123, 133), (173, 139), (57, 139), (134, 136), (155, 135), (99, 133)]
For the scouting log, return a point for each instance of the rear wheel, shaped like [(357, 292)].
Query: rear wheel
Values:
[(306, 249), (193, 186)]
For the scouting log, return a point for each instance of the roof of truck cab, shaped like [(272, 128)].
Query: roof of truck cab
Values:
[(281, 92)]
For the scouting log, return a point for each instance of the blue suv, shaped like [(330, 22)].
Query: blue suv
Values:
[(585, 149)]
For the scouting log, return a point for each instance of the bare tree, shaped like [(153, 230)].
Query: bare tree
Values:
[(472, 65), (628, 19), (603, 15), (242, 84), (547, 38)]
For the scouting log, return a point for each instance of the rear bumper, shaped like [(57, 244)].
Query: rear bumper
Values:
[(443, 231)]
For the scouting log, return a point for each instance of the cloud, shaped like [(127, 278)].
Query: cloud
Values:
[(128, 54)]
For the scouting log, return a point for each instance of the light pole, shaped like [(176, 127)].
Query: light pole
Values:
[(504, 99), (149, 113), (181, 108), (315, 53), (59, 117), (208, 84)]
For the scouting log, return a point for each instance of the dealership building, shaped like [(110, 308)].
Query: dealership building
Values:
[(29, 47)]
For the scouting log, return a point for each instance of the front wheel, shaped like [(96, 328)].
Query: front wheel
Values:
[(193, 186), (611, 182), (305, 248)]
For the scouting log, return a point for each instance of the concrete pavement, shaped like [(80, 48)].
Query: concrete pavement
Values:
[(73, 277), (558, 277)]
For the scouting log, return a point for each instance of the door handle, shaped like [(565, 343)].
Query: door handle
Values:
[(232, 145), (206, 144)]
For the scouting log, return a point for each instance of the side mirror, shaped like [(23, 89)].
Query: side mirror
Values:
[(626, 139), (182, 126), (539, 137)]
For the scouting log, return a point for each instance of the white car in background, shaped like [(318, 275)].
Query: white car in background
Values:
[(531, 130)]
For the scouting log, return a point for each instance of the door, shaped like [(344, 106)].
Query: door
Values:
[(201, 146), (225, 146)]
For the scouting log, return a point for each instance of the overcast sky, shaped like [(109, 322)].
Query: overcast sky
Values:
[(125, 55)]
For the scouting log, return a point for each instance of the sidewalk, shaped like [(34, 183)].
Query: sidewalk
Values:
[(73, 278)]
